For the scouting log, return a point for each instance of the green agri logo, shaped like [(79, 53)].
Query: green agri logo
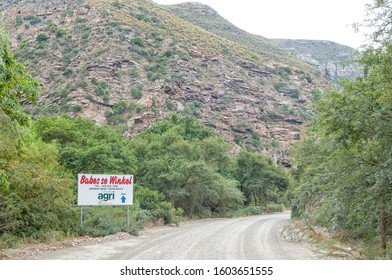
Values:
[(106, 196)]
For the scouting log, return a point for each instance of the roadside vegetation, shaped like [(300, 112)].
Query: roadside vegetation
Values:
[(343, 174)]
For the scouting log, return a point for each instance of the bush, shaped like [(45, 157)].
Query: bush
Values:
[(138, 41), (271, 208), (154, 202), (67, 72), (104, 220), (137, 92), (42, 37), (253, 210), (77, 108), (18, 21), (40, 198), (60, 33)]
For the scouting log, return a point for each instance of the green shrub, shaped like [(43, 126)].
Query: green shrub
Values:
[(67, 72), (83, 83), (137, 91), (104, 220), (170, 105), (77, 108), (295, 93), (154, 202), (60, 33), (42, 37), (253, 210), (40, 199), (117, 5), (138, 41), (18, 21), (89, 97), (309, 78), (271, 208)]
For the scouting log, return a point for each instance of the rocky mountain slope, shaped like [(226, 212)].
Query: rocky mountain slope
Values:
[(330, 58), (131, 63)]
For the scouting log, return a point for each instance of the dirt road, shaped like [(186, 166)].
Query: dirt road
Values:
[(255, 237)]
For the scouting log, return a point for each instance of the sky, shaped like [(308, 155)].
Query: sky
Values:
[(293, 19)]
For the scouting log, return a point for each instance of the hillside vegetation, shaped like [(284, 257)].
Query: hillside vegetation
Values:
[(132, 63)]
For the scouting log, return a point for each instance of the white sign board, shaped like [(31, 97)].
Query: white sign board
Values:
[(99, 189)]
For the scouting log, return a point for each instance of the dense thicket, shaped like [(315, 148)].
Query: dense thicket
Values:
[(36, 193), (344, 166), (189, 164), (85, 147)]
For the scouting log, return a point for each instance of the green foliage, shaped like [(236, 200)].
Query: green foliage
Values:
[(15, 84), (36, 194), (344, 166), (259, 179), (32, 18), (121, 112), (117, 4), (154, 202), (138, 41), (18, 21), (137, 91), (85, 147), (187, 163), (101, 221), (42, 37), (60, 33)]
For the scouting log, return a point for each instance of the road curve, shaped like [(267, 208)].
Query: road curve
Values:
[(255, 237)]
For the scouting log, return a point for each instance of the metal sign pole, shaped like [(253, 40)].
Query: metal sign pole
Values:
[(81, 217), (128, 218)]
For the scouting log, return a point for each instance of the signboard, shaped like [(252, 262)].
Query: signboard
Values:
[(99, 189)]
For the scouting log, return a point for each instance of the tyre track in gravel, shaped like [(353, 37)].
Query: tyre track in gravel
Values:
[(255, 237)]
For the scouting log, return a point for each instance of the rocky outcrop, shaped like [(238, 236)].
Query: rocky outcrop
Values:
[(332, 59)]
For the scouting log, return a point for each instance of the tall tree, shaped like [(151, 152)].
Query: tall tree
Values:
[(15, 85), (258, 177)]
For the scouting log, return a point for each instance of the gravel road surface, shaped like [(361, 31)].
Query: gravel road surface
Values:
[(255, 237)]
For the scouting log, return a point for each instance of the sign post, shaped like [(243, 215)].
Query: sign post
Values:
[(128, 218), (81, 217), (103, 189)]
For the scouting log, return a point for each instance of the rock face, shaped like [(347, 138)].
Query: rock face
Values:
[(132, 63), (332, 59)]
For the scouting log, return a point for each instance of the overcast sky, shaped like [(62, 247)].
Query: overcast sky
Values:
[(293, 19)]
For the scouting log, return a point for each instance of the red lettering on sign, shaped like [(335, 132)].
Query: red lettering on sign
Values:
[(89, 181), (114, 180)]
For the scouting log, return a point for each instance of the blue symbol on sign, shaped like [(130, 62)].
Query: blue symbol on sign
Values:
[(123, 199)]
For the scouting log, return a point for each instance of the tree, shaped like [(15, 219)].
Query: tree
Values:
[(189, 164), (85, 147), (15, 85), (344, 164), (378, 21), (259, 178)]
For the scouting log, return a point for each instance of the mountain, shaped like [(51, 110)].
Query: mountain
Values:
[(207, 18), (132, 63), (330, 58)]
